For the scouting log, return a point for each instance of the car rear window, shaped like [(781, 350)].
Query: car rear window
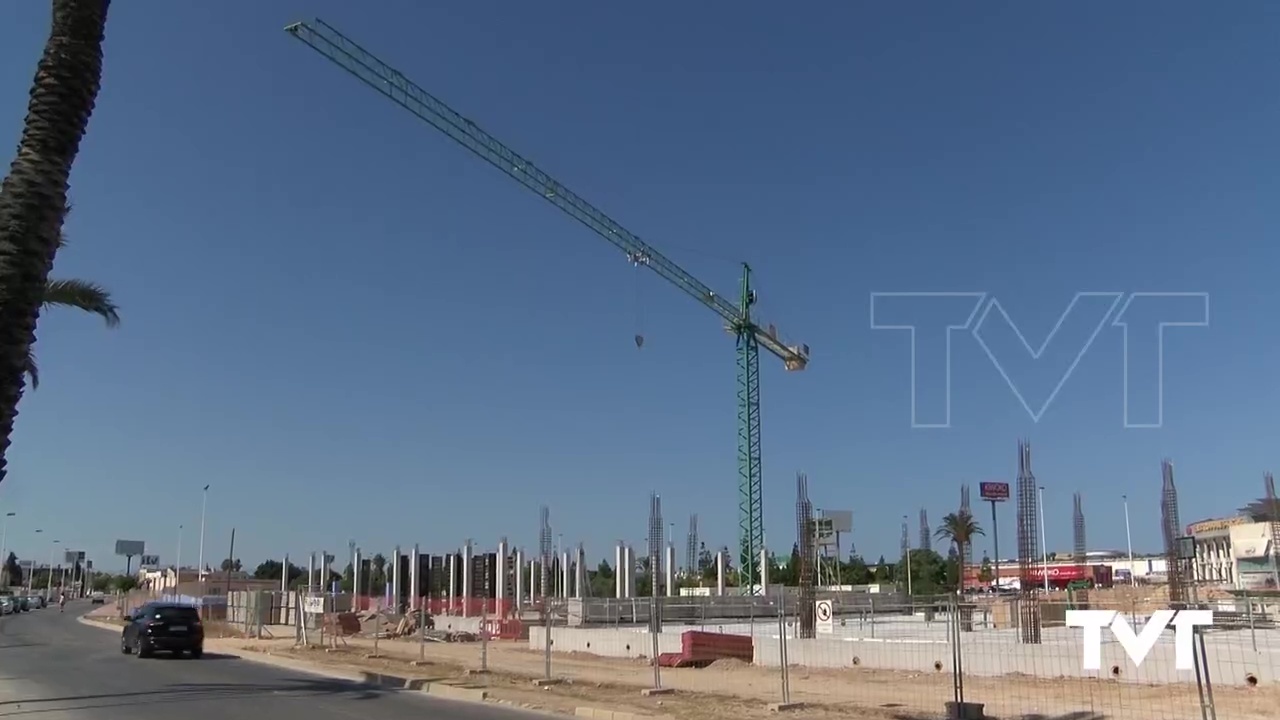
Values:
[(177, 614)]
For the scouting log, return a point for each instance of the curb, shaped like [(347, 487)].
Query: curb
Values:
[(85, 620), (599, 714)]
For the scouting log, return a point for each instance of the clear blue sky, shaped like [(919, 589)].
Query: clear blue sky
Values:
[(352, 328)]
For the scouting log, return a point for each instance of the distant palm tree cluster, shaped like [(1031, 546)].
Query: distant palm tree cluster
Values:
[(33, 198)]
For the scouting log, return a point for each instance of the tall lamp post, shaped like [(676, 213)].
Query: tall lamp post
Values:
[(177, 569), (4, 556), (1128, 538), (1044, 547), (204, 505), (53, 548)]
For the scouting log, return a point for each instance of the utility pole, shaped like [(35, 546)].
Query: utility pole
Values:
[(204, 505)]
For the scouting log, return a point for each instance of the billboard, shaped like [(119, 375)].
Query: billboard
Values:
[(149, 561), (994, 491), (71, 557), (841, 520), (130, 548)]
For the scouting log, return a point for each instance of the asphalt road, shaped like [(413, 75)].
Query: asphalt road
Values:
[(54, 668)]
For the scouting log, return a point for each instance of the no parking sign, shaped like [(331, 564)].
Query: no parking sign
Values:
[(823, 613)]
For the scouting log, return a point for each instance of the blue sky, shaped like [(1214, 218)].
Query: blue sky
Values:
[(352, 328)]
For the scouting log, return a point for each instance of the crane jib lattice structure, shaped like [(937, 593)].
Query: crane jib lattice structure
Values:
[(750, 335)]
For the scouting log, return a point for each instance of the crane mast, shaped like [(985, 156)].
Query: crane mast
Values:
[(737, 317)]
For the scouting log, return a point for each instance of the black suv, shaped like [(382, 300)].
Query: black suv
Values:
[(163, 627)]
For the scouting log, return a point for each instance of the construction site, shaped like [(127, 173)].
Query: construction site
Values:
[(543, 596)]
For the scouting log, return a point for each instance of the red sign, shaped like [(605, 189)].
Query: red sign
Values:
[(994, 491), (1064, 572)]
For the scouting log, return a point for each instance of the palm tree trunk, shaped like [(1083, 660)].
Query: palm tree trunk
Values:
[(33, 197), (960, 562)]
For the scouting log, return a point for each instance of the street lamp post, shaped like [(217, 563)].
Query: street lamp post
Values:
[(4, 556), (204, 505), (53, 548), (177, 569), (1128, 538), (1044, 547)]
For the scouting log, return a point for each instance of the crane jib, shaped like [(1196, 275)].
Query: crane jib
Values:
[(390, 82)]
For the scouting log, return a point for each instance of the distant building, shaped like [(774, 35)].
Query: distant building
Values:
[(1234, 552)]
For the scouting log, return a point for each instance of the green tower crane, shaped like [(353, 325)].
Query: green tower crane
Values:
[(751, 336)]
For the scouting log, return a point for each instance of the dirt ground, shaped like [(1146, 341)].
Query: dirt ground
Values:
[(731, 690)]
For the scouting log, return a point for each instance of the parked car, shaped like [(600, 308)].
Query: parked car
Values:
[(36, 601), (97, 598), (7, 606), (23, 602), (163, 627)]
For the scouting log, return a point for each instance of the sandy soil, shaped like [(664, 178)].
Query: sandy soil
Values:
[(743, 691)]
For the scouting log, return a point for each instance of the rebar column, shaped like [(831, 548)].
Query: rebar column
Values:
[(1028, 549), (1171, 525), (805, 540)]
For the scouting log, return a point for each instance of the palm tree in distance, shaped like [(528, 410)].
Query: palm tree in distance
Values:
[(77, 294), (959, 528), (33, 196)]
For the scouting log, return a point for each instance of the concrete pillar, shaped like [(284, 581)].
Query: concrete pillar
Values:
[(671, 570), (619, 571), (311, 574), (451, 566), (414, 581), (284, 575), (357, 582), (395, 579), (631, 571), (720, 579), (518, 569), (580, 573), (764, 571), (566, 574), (500, 592), (468, 582)]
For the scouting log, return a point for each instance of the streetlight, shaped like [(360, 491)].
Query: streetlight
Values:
[(204, 505), (4, 557), (1128, 538), (53, 548), (177, 570), (1044, 547)]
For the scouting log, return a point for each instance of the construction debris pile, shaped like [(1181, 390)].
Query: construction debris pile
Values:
[(379, 624)]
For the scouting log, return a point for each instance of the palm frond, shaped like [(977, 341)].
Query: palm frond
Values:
[(33, 371), (82, 295)]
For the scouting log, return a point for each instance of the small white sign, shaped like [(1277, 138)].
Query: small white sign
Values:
[(313, 604), (823, 613)]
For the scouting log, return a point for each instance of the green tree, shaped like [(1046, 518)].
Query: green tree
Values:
[(229, 565), (33, 196), (960, 529), (986, 573), (602, 581), (854, 571)]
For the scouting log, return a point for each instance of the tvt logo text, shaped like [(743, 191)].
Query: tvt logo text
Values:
[(1138, 646), (932, 318)]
